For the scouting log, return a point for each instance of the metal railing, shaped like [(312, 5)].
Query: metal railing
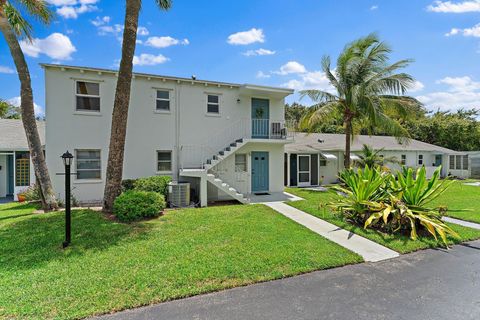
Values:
[(197, 156)]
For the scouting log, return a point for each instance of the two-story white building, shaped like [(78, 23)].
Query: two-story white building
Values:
[(226, 139)]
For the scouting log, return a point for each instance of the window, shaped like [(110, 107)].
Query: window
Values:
[(164, 161), (465, 162), (323, 162), (88, 96), (163, 100), (88, 164), (458, 162), (213, 103), (22, 169), (240, 163), (403, 160), (420, 159)]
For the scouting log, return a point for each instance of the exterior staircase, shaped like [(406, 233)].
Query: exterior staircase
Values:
[(220, 184)]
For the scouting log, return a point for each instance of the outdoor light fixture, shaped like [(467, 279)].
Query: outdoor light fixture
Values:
[(67, 158), (238, 100)]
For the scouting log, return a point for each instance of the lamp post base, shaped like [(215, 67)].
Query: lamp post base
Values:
[(65, 244)]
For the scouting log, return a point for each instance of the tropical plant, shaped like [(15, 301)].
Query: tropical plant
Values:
[(370, 157), (14, 26), (375, 199), (113, 180), (366, 87)]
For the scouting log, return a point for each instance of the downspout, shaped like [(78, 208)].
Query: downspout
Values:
[(177, 130)]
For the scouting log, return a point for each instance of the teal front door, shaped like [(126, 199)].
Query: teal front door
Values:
[(10, 184), (260, 172), (438, 160), (260, 118)]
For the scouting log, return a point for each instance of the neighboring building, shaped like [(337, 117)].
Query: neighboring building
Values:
[(226, 139), (316, 158), (16, 169)]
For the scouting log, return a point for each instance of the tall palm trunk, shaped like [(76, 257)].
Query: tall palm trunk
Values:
[(28, 117), (120, 107), (348, 140)]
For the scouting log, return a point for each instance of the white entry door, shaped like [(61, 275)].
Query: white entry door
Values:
[(304, 170)]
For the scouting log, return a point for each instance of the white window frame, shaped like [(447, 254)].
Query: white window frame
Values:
[(244, 164), (309, 182), (77, 170), (87, 96), (162, 99), (420, 158), (219, 104), (164, 161)]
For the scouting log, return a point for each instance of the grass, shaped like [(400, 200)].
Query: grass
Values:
[(400, 243), (112, 266), (462, 201)]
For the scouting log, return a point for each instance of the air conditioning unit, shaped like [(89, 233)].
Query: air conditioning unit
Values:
[(179, 194)]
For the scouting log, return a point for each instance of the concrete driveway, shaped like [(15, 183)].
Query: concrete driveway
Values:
[(431, 284)]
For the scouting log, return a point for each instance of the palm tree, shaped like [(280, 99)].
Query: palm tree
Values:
[(121, 103), (367, 89), (373, 158), (14, 26)]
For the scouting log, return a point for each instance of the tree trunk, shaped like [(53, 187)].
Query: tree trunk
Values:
[(118, 133), (28, 117), (348, 141)]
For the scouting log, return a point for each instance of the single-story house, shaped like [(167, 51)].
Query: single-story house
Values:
[(316, 158), (16, 169)]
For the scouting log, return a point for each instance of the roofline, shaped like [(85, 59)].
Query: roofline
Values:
[(171, 78)]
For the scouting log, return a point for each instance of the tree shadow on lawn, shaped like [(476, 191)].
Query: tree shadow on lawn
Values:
[(36, 240)]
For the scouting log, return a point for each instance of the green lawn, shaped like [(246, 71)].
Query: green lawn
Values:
[(461, 197), (112, 266), (402, 244)]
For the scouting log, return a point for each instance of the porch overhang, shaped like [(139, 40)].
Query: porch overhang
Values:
[(272, 92), (354, 157), (328, 156)]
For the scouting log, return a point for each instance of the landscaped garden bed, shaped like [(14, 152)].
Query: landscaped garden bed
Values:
[(316, 203), (112, 266)]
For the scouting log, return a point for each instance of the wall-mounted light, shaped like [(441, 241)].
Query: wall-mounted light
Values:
[(238, 100)]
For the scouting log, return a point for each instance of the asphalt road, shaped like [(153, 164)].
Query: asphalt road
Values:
[(431, 284)]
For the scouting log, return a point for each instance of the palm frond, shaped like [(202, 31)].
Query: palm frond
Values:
[(318, 96), (38, 9), (164, 4), (318, 113), (20, 26)]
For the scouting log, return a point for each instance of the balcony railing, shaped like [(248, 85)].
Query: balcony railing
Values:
[(196, 156)]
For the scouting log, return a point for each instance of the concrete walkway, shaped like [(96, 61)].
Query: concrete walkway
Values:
[(369, 250), (428, 284), (462, 223)]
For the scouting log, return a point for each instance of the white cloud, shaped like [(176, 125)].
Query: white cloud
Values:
[(262, 75), (163, 42), (142, 31), (417, 86), (56, 46), (146, 59), (374, 7), (258, 52), (101, 21), (71, 9), (16, 101), (461, 92), (467, 32), (310, 80), (455, 7), (4, 69), (291, 67), (246, 37)]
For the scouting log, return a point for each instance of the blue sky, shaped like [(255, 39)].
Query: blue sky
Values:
[(277, 43)]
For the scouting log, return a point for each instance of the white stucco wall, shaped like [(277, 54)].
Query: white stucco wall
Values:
[(187, 123)]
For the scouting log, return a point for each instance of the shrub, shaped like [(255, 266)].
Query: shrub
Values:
[(128, 184), (32, 193), (376, 199), (153, 184), (134, 205)]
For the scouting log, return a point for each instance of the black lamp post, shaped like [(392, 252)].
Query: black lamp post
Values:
[(67, 158)]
